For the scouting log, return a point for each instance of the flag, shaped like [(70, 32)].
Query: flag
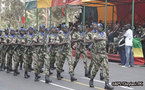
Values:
[(31, 5), (23, 19), (137, 47), (44, 3)]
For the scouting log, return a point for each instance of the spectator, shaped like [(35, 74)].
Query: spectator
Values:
[(128, 46), (143, 44), (121, 48)]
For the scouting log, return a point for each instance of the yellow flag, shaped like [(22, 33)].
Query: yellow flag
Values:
[(43, 3)]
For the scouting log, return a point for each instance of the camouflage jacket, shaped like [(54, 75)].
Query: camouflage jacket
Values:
[(100, 46)]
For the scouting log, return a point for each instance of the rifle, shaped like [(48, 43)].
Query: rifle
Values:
[(83, 37), (66, 38), (29, 46), (18, 46), (53, 42), (44, 38), (1, 47), (9, 46)]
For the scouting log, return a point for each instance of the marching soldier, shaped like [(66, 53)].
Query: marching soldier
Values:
[(1, 50), (65, 52), (99, 56), (19, 51), (89, 37), (30, 39), (38, 55), (51, 50), (9, 50), (79, 37)]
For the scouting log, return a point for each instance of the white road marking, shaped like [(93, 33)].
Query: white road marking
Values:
[(104, 82), (58, 85)]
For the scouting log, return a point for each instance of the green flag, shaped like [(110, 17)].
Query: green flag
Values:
[(31, 5)]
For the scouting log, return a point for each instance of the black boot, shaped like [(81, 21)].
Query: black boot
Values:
[(91, 83), (26, 75), (8, 70), (101, 76), (53, 68), (86, 73), (15, 73), (72, 77), (50, 72), (108, 86), (1, 68), (37, 77), (21, 64), (58, 76), (89, 74), (47, 79)]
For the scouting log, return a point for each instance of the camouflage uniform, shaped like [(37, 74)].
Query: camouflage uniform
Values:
[(80, 50), (38, 57), (19, 51), (10, 52), (29, 55), (89, 37), (65, 54), (2, 59), (3, 52), (99, 56)]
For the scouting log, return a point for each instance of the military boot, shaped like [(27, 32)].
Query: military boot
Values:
[(26, 75), (37, 77), (58, 76), (108, 86), (101, 76), (47, 80), (72, 77), (91, 83), (86, 73)]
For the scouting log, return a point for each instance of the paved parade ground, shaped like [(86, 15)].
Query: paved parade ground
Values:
[(117, 73)]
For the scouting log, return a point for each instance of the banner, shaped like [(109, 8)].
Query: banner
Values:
[(30, 5), (44, 3), (137, 47)]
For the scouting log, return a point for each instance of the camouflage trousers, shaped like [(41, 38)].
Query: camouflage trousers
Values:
[(2, 58), (61, 56), (37, 62), (97, 61), (84, 58), (27, 61), (52, 59), (9, 60), (91, 65), (16, 60), (47, 61)]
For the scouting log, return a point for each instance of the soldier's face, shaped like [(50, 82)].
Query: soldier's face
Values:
[(30, 31), (100, 29), (22, 32), (95, 26), (7, 32), (12, 32)]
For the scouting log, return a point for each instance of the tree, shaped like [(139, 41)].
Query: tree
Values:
[(13, 11)]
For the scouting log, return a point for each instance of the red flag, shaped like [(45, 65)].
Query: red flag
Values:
[(23, 19)]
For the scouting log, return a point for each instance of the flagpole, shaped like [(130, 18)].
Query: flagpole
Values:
[(50, 17), (25, 19), (37, 18), (66, 14), (46, 17), (105, 15), (84, 13), (132, 13)]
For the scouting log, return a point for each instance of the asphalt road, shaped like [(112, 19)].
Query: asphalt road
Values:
[(117, 73)]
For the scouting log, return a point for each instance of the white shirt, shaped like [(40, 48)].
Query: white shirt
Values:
[(129, 37)]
